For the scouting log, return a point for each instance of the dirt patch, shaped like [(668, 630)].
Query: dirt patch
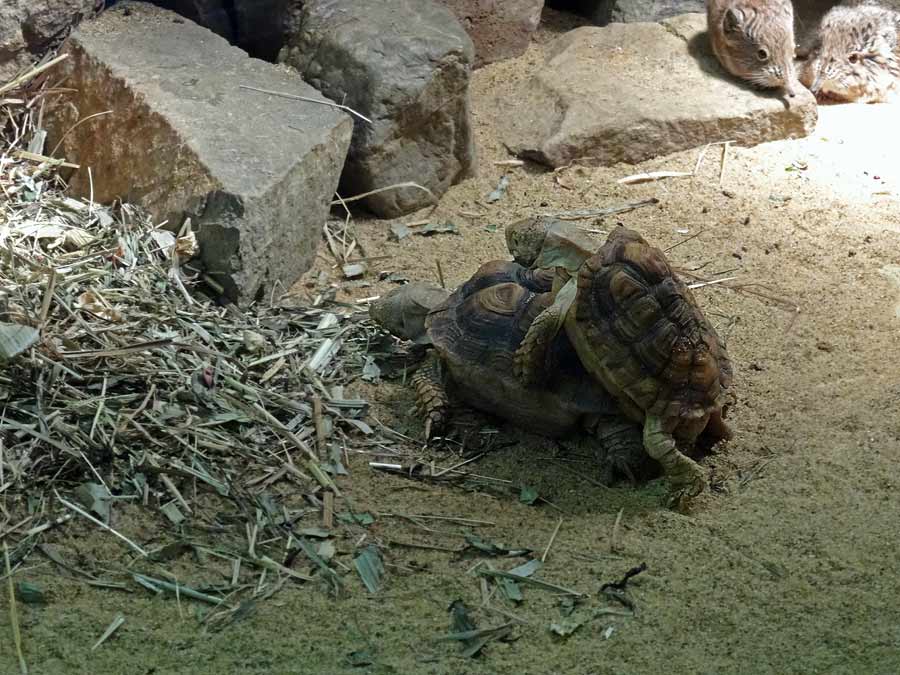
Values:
[(786, 566)]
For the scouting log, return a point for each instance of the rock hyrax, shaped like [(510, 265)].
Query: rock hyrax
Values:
[(754, 40), (854, 55)]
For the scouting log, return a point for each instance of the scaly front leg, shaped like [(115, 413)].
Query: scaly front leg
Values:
[(621, 451), (432, 401), (530, 358), (686, 478)]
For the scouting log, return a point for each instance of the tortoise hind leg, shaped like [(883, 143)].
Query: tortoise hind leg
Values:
[(530, 357), (685, 476), (621, 451), (432, 401)]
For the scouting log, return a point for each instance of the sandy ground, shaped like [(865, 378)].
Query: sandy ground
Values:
[(788, 565)]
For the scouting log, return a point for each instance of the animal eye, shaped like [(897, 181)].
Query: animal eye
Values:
[(762, 55), (853, 58)]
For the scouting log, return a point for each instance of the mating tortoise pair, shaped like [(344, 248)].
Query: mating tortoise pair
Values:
[(572, 336)]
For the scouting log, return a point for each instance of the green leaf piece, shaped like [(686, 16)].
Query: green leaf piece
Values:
[(370, 568)]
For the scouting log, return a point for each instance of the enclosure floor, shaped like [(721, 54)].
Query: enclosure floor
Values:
[(787, 566)]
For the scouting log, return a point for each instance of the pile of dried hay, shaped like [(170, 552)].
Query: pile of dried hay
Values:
[(137, 392)]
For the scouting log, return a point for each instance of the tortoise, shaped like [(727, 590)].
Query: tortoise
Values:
[(637, 328), (474, 334)]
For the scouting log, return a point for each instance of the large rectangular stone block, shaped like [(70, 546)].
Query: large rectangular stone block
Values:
[(256, 172)]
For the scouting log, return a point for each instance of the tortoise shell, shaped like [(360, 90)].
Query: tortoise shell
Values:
[(476, 333), (637, 327)]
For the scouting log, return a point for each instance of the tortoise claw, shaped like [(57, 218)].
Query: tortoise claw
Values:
[(685, 486)]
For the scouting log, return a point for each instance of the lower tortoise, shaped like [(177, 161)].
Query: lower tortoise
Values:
[(474, 333)]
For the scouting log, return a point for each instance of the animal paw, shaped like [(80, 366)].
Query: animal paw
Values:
[(685, 485)]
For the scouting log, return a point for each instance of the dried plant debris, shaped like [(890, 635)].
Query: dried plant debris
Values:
[(618, 590), (490, 548), (498, 192), (227, 432), (370, 568), (464, 630), (401, 231)]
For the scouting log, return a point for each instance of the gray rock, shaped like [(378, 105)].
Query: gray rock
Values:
[(260, 26), (500, 30), (632, 11), (29, 27), (255, 172), (405, 64), (211, 14), (628, 92), (603, 12), (256, 26)]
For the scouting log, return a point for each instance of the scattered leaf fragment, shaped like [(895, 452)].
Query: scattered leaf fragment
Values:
[(493, 549), (437, 228), (370, 568), (354, 270), (30, 594), (652, 176), (173, 513), (527, 569), (364, 518), (315, 532), (499, 191), (371, 372), (15, 339), (399, 231), (95, 497), (114, 625), (565, 627), (510, 589), (528, 495)]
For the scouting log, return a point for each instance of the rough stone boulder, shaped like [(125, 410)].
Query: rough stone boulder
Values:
[(629, 92), (404, 64), (500, 29), (603, 12), (255, 172), (212, 14), (29, 27), (256, 26)]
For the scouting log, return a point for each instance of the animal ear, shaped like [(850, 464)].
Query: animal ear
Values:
[(733, 20)]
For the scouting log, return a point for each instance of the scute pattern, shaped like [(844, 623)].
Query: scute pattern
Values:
[(638, 328)]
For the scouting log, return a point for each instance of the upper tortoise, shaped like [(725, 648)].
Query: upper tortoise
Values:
[(637, 328)]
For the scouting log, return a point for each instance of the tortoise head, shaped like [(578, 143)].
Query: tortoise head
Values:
[(525, 239), (403, 311)]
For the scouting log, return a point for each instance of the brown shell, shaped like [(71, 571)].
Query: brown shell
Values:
[(486, 318), (638, 329), (477, 331)]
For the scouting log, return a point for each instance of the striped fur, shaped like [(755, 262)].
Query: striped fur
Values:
[(855, 55), (754, 40)]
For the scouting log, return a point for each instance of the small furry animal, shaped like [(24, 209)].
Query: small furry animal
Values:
[(854, 55), (754, 40)]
